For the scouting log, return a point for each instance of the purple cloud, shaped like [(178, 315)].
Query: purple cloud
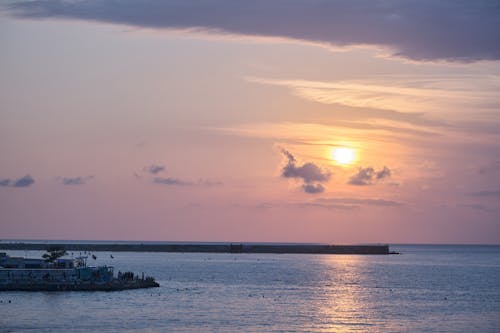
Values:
[(25, 181), (366, 176), (154, 169), (308, 172), (415, 29), (313, 189), (171, 181), (488, 194), (75, 180)]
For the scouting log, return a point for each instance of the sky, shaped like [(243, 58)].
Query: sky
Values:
[(340, 122)]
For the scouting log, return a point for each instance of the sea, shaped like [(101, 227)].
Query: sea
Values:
[(426, 288)]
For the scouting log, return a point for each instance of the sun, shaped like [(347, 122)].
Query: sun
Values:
[(343, 155)]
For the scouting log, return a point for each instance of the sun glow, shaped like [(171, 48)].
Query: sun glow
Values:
[(343, 155)]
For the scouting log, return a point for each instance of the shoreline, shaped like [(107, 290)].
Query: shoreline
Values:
[(207, 248)]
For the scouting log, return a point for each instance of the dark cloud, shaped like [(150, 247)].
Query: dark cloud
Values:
[(309, 173), (366, 176), (75, 180), (493, 194), (171, 181), (311, 188), (363, 177), (384, 173), (154, 169), (4, 182), (416, 29), (25, 181)]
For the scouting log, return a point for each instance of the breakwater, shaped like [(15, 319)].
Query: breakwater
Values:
[(205, 248)]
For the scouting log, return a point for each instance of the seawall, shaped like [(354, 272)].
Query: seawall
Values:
[(206, 248)]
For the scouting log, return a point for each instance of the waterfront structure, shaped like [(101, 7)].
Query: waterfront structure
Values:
[(28, 274)]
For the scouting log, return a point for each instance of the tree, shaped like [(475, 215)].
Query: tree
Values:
[(54, 253)]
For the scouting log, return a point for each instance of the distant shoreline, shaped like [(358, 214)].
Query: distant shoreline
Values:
[(205, 248)]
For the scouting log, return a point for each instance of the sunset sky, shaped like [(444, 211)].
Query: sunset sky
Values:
[(266, 121)]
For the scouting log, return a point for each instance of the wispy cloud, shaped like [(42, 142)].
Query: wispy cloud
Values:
[(181, 182), (154, 169), (478, 207), (25, 181), (419, 30), (341, 203), (152, 172), (406, 94), (490, 194), (72, 181), (171, 181), (357, 201)]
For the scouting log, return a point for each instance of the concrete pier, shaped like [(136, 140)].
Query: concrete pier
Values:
[(205, 248)]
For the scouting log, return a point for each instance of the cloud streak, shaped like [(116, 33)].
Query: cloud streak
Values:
[(417, 29), (486, 194), (179, 182), (356, 201), (75, 181), (405, 94), (154, 169), (171, 181)]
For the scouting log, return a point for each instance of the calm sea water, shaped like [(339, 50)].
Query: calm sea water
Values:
[(425, 289)]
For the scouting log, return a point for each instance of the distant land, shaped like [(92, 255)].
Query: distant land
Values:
[(199, 247)]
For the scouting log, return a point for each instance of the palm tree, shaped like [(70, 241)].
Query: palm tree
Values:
[(54, 253)]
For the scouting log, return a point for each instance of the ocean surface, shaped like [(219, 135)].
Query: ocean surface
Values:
[(427, 288)]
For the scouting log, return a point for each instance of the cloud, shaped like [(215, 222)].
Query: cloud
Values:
[(324, 206), (490, 194), (80, 180), (209, 183), (154, 169), (403, 93), (180, 182), (25, 181), (476, 207), (356, 201), (308, 172), (366, 176), (310, 188), (152, 172), (171, 181), (450, 30), (384, 173)]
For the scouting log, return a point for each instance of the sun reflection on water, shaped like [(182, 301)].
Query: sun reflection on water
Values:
[(344, 306)]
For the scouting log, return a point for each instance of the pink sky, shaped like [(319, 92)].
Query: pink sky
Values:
[(136, 124)]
